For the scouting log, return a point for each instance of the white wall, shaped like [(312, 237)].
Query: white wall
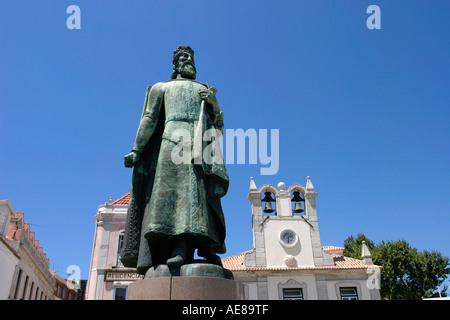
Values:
[(276, 253), (8, 261)]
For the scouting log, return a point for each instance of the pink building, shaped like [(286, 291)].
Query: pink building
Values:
[(108, 279)]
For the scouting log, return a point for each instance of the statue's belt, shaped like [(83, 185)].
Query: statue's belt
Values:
[(184, 118)]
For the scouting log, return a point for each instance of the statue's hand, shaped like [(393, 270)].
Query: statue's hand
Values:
[(209, 95), (131, 159)]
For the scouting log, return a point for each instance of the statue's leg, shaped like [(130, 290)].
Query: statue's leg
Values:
[(179, 254)]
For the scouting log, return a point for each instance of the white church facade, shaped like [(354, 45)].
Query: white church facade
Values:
[(288, 260)]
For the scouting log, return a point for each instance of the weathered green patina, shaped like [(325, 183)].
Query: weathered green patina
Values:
[(175, 208)]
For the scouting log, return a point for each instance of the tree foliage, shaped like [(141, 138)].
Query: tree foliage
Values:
[(407, 273)]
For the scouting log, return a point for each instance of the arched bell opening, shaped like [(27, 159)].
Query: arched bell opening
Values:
[(298, 203), (269, 203)]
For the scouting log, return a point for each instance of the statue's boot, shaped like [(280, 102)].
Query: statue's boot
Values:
[(179, 254), (210, 256)]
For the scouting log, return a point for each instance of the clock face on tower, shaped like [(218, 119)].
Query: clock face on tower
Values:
[(288, 238)]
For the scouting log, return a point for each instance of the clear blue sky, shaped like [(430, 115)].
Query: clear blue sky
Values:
[(364, 112)]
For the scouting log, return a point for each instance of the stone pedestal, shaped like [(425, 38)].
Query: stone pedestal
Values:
[(184, 288), (150, 289), (196, 281)]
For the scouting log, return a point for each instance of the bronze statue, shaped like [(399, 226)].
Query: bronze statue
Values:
[(175, 208)]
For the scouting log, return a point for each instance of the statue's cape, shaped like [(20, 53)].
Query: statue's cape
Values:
[(143, 180)]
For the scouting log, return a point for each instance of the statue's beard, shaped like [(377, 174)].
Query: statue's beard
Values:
[(188, 71)]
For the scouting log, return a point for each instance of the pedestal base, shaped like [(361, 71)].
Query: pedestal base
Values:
[(185, 288), (189, 270)]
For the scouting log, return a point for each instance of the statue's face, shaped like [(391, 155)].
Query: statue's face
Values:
[(186, 66)]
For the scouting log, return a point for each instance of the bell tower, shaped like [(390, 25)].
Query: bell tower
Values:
[(285, 227)]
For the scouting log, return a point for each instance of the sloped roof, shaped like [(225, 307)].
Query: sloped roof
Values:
[(236, 263), (19, 231), (123, 200)]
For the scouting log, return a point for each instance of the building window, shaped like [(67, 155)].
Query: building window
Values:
[(293, 294), (121, 293), (25, 288), (348, 293), (120, 243), (292, 290), (31, 291), (19, 277), (119, 250)]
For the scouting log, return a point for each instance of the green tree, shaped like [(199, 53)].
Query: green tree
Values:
[(397, 259), (407, 273), (432, 270)]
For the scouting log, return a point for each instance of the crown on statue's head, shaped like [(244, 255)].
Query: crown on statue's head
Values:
[(179, 50)]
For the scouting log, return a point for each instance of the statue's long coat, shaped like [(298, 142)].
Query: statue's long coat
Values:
[(168, 200)]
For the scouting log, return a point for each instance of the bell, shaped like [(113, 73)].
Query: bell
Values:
[(268, 199), (298, 208), (268, 208)]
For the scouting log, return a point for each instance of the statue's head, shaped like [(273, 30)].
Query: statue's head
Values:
[(183, 63)]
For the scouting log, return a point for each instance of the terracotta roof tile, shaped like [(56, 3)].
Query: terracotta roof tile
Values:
[(123, 200), (334, 250), (235, 262)]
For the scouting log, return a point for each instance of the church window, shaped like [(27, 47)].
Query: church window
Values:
[(348, 293), (292, 294)]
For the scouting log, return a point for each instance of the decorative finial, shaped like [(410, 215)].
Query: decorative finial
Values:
[(365, 254), (309, 185), (252, 185), (281, 186)]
